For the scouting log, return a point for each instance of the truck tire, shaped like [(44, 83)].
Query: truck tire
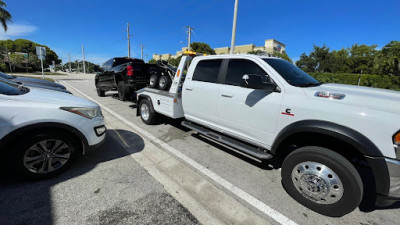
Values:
[(147, 113), (100, 92), (322, 180), (153, 81), (164, 82), (124, 92)]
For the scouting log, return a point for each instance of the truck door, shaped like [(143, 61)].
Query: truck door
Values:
[(200, 92), (248, 113)]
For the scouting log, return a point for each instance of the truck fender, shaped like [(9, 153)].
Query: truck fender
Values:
[(366, 147), (140, 97)]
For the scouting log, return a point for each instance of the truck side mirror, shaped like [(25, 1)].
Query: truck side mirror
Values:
[(255, 81)]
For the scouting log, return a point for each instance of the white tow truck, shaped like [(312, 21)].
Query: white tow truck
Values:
[(267, 107)]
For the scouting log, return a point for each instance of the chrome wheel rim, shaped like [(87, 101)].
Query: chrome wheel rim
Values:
[(152, 80), (47, 156), (317, 182), (162, 82), (144, 112)]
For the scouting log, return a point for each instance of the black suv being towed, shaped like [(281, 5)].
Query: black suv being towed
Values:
[(123, 74)]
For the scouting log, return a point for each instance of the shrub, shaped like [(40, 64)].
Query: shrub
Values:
[(368, 80)]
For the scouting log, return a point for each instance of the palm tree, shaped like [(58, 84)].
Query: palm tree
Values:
[(5, 16)]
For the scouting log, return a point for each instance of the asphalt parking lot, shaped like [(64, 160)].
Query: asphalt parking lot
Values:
[(115, 185), (104, 187)]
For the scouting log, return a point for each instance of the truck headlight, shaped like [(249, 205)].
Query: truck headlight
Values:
[(89, 113)]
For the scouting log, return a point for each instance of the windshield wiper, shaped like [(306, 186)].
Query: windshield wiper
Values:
[(311, 84)]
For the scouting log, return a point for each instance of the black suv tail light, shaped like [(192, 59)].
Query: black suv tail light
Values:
[(129, 70)]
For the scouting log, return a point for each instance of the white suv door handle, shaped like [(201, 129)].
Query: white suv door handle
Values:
[(189, 89), (227, 95)]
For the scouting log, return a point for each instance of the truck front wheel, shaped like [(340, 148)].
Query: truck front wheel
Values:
[(322, 180), (147, 113)]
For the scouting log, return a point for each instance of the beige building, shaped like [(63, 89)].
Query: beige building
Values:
[(271, 46)]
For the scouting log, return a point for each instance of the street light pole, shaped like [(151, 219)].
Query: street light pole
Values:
[(234, 27), (9, 61)]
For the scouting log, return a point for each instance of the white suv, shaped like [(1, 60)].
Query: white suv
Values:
[(41, 131)]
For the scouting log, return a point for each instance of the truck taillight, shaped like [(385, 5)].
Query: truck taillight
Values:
[(129, 70)]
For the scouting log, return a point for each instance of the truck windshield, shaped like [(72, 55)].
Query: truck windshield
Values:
[(292, 74)]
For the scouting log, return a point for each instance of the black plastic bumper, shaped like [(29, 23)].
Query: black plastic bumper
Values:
[(393, 194)]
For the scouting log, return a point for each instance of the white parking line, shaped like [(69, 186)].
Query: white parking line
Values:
[(278, 217)]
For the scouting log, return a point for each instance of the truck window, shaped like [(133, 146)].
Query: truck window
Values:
[(107, 65), (239, 67), (207, 70), (120, 61)]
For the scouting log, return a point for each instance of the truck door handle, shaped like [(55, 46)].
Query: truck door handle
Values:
[(227, 95), (189, 89)]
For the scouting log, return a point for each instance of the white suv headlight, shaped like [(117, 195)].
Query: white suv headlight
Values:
[(89, 113)]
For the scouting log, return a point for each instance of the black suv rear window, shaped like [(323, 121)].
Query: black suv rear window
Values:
[(207, 70), (119, 61)]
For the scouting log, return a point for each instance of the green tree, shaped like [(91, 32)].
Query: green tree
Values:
[(5, 16), (338, 61), (387, 61), (306, 63), (362, 58), (27, 46), (321, 57), (152, 61), (201, 47), (34, 61), (284, 56), (175, 61), (16, 59)]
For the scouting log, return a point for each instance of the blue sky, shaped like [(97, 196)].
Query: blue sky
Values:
[(160, 24)]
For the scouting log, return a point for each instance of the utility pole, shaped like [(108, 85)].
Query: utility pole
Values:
[(189, 35), (234, 27), (141, 49), (83, 55), (69, 56), (146, 58), (129, 41)]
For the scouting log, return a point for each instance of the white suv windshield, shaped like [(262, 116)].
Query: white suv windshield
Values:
[(292, 74)]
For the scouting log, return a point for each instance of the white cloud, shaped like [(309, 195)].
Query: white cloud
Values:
[(16, 30)]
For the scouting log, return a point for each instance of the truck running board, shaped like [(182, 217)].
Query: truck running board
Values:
[(255, 152)]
